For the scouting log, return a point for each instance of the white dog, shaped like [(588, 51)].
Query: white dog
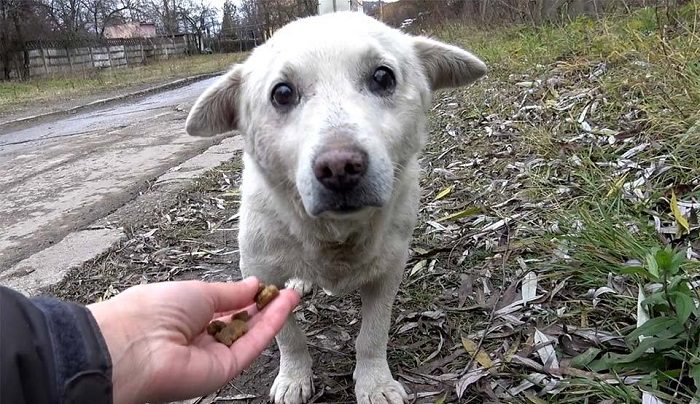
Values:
[(332, 110)]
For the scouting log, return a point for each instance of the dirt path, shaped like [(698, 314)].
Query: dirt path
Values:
[(62, 175)]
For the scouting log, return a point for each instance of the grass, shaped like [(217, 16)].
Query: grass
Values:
[(637, 83), (14, 94)]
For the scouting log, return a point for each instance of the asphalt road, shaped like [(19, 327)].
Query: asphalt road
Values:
[(60, 176)]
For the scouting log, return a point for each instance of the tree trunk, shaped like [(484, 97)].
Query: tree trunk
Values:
[(482, 11), (24, 71)]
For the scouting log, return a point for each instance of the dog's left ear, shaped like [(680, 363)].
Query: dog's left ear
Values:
[(447, 65), (215, 111)]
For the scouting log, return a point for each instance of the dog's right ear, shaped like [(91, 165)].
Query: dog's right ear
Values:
[(215, 112)]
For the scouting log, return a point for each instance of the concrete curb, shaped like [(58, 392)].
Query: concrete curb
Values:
[(49, 266), (161, 87)]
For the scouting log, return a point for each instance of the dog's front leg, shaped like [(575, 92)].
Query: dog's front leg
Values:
[(293, 384), (373, 380)]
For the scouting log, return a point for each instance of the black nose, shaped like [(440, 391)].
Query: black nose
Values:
[(340, 170)]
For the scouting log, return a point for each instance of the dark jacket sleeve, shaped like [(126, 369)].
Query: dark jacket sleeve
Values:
[(51, 352)]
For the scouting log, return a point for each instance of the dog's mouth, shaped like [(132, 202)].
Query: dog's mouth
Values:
[(342, 207), (346, 210), (348, 213)]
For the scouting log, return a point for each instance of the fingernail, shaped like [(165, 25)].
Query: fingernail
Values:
[(297, 295)]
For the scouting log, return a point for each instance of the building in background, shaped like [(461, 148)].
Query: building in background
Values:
[(131, 30), (330, 6)]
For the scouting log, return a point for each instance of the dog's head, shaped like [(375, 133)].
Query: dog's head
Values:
[(333, 106)]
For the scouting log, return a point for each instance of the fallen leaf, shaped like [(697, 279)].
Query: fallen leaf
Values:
[(481, 357), (421, 251), (418, 267), (468, 379), (546, 353), (444, 193), (594, 294), (466, 289), (680, 219), (642, 314), (648, 398), (436, 351), (433, 314), (529, 287), (237, 397), (407, 327)]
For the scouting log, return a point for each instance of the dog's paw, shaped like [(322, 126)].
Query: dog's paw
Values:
[(379, 390), (291, 389), (302, 287)]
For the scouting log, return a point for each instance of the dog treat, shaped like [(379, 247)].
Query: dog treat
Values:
[(215, 326), (265, 295), (241, 315), (228, 333), (233, 330)]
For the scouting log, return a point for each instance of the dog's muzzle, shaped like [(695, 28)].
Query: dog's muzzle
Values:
[(343, 181)]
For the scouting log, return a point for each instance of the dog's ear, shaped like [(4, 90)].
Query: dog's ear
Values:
[(215, 110), (447, 65)]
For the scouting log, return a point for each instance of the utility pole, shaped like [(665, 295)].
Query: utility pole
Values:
[(381, 11)]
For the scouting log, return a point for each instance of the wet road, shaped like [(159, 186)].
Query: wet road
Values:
[(60, 176)]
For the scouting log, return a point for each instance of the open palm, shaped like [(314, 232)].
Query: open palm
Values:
[(158, 343)]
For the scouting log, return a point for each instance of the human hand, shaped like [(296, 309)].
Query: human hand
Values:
[(156, 336)]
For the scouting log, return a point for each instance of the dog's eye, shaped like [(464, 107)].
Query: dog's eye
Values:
[(283, 95), (383, 80)]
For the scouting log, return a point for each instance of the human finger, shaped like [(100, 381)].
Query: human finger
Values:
[(251, 309), (264, 328), (230, 296)]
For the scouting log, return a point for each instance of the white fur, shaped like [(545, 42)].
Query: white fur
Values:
[(330, 60)]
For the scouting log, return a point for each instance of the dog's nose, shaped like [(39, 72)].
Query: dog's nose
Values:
[(340, 170)]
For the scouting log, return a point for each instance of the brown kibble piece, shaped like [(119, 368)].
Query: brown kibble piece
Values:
[(228, 333), (240, 326), (265, 295), (233, 330), (215, 326), (241, 315)]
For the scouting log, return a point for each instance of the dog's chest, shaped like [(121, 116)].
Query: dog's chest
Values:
[(338, 268)]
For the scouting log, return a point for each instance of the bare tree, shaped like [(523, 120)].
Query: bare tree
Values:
[(20, 20), (197, 19), (104, 13), (229, 23)]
